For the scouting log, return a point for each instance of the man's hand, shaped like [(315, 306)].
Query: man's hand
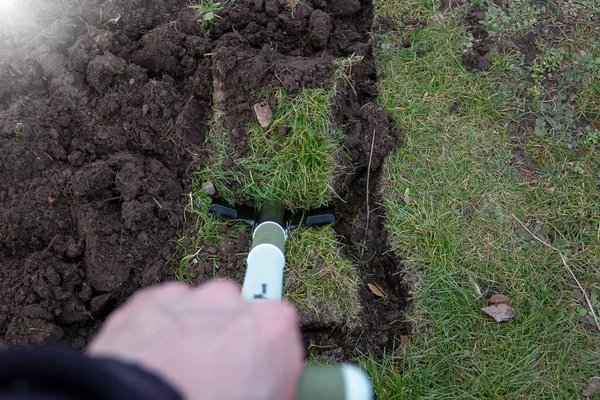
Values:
[(208, 343)]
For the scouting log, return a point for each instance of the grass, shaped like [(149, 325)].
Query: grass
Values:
[(452, 194), (320, 281), (208, 12), (206, 231), (297, 165)]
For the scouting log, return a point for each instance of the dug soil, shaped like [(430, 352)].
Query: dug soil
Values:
[(103, 116)]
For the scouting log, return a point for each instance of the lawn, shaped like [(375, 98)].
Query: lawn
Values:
[(474, 192)]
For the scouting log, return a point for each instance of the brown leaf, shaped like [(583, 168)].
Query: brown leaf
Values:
[(51, 200), (500, 299), (377, 291), (263, 113), (500, 312), (592, 388), (404, 341)]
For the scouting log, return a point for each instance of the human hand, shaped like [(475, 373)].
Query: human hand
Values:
[(208, 343)]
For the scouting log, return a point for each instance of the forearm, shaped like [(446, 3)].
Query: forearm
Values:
[(58, 373)]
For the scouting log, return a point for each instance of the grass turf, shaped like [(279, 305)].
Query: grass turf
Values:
[(296, 165), (452, 194)]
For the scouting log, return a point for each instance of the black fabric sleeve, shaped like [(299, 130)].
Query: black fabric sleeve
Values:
[(63, 374)]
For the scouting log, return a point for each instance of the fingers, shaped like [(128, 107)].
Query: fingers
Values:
[(136, 311), (165, 294), (280, 318), (219, 294), (279, 324), (219, 288)]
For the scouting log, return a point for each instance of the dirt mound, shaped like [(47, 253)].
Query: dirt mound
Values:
[(280, 44), (95, 151), (103, 110)]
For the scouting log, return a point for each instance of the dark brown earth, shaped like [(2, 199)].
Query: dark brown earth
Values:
[(476, 60), (95, 148), (103, 115)]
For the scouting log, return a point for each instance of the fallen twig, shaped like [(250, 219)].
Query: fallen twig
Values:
[(51, 243), (564, 261), (362, 250), (112, 199)]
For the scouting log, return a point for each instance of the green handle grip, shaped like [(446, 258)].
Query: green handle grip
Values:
[(337, 382)]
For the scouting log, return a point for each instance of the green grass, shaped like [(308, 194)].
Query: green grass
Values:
[(206, 232), (450, 193), (296, 166), (208, 12), (320, 281)]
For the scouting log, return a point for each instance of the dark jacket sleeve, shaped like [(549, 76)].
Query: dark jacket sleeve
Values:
[(62, 374)]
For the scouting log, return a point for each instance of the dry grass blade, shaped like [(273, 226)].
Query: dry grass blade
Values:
[(362, 250), (564, 261)]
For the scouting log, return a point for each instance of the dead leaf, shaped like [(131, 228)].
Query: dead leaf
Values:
[(263, 113), (50, 200), (404, 341), (592, 388), (500, 299), (500, 312), (377, 291)]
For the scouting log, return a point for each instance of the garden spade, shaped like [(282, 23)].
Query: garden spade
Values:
[(263, 280)]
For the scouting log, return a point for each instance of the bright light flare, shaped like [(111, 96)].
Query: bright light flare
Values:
[(10, 12), (7, 8), (13, 18)]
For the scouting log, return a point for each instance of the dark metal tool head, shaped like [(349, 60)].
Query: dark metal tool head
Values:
[(274, 211)]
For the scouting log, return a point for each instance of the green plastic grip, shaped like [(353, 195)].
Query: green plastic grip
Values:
[(336, 382), (271, 233)]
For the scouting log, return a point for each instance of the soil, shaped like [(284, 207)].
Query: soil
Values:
[(95, 150), (103, 110), (475, 59)]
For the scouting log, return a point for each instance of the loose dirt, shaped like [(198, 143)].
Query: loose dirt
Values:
[(103, 115), (99, 121)]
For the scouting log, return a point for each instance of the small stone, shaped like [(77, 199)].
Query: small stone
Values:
[(209, 188), (242, 242), (500, 299), (283, 130), (226, 247), (131, 81), (75, 248), (99, 302)]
